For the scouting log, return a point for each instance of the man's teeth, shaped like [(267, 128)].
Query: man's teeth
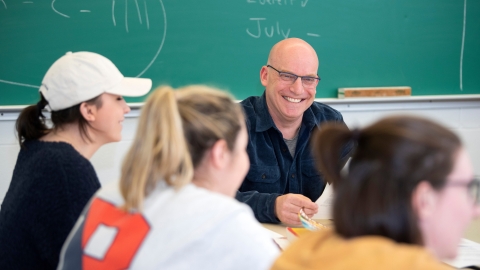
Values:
[(295, 100)]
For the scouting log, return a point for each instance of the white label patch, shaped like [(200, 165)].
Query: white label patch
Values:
[(100, 241)]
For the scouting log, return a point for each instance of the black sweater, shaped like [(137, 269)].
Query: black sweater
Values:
[(50, 186)]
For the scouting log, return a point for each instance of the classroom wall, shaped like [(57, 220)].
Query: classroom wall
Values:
[(462, 116)]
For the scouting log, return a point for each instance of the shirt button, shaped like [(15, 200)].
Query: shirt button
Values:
[(263, 176), (293, 175)]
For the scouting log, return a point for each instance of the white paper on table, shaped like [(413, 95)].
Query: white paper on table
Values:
[(325, 204), (468, 254), (281, 241)]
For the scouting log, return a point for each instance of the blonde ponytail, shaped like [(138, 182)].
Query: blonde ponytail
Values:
[(159, 151), (175, 130)]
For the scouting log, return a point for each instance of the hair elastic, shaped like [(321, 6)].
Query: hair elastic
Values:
[(356, 134), (40, 106)]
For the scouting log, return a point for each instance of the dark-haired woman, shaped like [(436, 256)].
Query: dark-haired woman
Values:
[(408, 197), (53, 178)]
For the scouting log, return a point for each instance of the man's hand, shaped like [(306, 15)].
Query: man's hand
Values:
[(287, 207)]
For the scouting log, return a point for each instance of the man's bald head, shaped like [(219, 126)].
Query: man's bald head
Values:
[(292, 49)]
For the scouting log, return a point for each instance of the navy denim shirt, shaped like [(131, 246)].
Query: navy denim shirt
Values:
[(273, 170)]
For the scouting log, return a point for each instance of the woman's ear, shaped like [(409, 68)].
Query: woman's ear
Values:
[(88, 111), (424, 201), (219, 154)]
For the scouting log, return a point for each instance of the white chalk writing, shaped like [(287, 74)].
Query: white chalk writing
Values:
[(277, 2), (139, 13), (56, 11), (269, 29), (463, 43)]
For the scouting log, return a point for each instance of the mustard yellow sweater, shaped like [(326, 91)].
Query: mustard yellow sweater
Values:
[(327, 250)]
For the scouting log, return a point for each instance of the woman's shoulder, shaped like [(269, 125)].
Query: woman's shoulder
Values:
[(199, 205), (216, 201), (230, 213), (49, 149), (52, 159), (55, 152), (327, 249)]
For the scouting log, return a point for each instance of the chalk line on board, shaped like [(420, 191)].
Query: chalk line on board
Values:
[(146, 14), (126, 15), (161, 44), (463, 43), (56, 11), (20, 84), (114, 22), (113, 13), (138, 12)]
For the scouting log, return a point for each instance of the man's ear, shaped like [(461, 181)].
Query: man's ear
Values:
[(424, 201), (89, 112), (219, 154), (263, 75)]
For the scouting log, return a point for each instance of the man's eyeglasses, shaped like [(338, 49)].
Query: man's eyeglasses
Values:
[(307, 81), (473, 188)]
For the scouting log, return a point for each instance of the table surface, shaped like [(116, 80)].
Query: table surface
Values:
[(472, 233)]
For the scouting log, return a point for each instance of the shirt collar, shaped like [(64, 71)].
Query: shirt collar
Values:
[(309, 118), (264, 120)]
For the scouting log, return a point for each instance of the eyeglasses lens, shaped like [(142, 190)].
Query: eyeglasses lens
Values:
[(474, 190)]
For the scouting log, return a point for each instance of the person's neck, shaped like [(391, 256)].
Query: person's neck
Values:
[(289, 129), (71, 134), (208, 180)]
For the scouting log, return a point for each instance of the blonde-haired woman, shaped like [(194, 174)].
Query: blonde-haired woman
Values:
[(174, 207)]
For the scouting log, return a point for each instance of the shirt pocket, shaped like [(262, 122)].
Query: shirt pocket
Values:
[(312, 182), (310, 171), (263, 174)]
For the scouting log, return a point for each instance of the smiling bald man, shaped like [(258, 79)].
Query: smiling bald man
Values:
[(283, 178)]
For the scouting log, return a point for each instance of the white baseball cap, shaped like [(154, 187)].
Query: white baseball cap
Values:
[(80, 76)]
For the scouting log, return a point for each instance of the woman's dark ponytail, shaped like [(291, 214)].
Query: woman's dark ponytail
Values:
[(30, 124), (327, 144)]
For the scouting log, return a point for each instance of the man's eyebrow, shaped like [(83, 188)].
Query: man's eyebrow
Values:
[(304, 76)]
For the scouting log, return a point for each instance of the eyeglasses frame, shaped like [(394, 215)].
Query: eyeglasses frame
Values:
[(474, 183), (297, 76)]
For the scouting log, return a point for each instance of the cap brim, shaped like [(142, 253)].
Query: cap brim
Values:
[(132, 87)]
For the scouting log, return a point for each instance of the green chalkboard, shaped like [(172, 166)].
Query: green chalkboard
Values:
[(431, 45)]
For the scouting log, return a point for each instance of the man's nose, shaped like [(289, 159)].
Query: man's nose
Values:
[(297, 86)]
